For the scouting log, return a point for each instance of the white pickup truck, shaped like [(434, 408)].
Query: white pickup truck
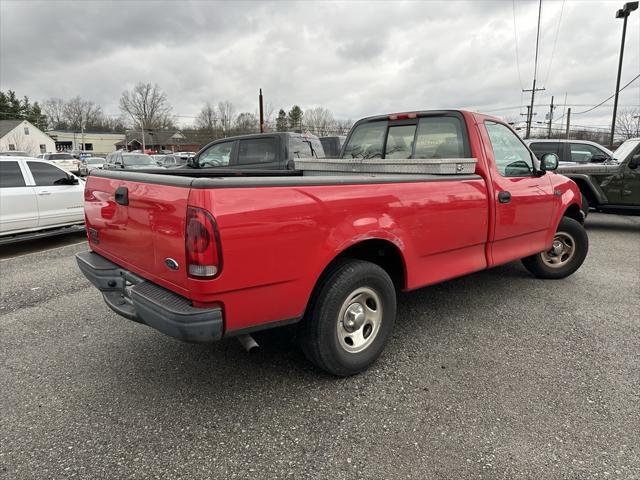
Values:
[(38, 199)]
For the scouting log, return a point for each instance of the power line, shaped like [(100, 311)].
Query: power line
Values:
[(555, 41), (609, 98), (515, 35), (535, 72)]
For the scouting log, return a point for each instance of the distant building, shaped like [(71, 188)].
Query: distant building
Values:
[(167, 140), (95, 143), (23, 136)]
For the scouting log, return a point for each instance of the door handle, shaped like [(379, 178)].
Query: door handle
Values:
[(122, 195), (44, 193), (504, 197)]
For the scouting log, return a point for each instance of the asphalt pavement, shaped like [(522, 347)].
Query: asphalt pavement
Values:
[(495, 375)]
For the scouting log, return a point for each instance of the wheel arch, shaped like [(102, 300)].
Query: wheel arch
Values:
[(382, 252), (573, 211)]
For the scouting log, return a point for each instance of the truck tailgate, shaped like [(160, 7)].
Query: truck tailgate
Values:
[(142, 230)]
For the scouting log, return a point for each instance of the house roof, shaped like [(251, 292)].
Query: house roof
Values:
[(7, 125)]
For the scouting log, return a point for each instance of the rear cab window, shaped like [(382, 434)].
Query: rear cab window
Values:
[(429, 136)]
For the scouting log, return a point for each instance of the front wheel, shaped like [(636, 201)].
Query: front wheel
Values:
[(350, 318), (567, 253)]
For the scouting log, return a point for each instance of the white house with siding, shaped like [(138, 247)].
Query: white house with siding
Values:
[(21, 135)]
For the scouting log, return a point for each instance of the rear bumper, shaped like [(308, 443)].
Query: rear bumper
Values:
[(145, 302)]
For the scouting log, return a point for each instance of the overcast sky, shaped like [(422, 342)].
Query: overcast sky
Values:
[(355, 58)]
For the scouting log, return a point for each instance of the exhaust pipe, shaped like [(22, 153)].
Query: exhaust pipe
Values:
[(248, 343)]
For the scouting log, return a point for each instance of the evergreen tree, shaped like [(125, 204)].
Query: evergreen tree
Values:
[(12, 108), (295, 118), (281, 121)]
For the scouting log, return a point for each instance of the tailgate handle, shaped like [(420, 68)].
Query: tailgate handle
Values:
[(122, 195)]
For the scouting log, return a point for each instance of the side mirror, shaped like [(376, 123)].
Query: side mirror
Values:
[(600, 158), (73, 180), (634, 162), (549, 162)]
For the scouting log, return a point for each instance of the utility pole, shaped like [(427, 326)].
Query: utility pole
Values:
[(551, 107), (535, 73), (261, 112), (568, 121), (142, 132), (624, 12)]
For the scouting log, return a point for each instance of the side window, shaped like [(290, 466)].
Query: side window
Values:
[(305, 147), (582, 153), (366, 141), (511, 156), (216, 155), (440, 137), (11, 175), (400, 141), (540, 148), (256, 151), (47, 175)]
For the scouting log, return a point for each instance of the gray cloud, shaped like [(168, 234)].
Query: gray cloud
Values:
[(355, 58)]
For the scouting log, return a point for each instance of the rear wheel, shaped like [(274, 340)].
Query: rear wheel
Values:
[(350, 318), (567, 253)]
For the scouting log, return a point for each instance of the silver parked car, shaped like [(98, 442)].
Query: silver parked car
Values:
[(90, 163)]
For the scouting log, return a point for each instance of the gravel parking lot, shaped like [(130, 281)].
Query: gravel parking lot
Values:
[(496, 375)]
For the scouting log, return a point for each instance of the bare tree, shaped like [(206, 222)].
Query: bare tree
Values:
[(81, 113), (628, 123), (319, 121), (207, 118), (147, 106), (54, 110), (247, 123), (343, 126), (226, 114)]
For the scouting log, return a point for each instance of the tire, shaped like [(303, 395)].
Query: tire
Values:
[(349, 318), (585, 205), (571, 245)]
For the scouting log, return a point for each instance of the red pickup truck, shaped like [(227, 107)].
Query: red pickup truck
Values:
[(203, 257)]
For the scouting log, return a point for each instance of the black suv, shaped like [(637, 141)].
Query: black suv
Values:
[(263, 151)]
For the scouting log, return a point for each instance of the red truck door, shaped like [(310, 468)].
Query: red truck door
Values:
[(523, 200)]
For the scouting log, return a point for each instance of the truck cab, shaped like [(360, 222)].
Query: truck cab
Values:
[(264, 151)]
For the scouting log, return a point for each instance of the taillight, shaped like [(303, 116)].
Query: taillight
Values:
[(202, 242)]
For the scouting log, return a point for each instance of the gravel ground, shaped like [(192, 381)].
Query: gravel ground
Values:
[(495, 375)]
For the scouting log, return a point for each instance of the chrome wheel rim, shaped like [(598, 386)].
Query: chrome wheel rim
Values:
[(359, 320), (562, 251)]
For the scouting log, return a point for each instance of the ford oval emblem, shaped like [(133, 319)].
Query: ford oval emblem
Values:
[(171, 263)]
